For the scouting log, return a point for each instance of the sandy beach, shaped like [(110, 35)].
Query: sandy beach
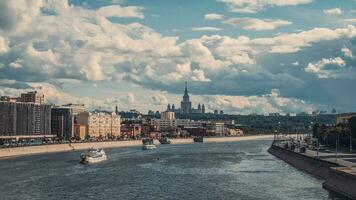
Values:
[(54, 148)]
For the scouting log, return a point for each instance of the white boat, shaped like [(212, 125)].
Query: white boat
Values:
[(93, 155), (148, 146)]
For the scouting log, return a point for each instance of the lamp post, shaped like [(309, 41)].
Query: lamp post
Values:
[(311, 127), (350, 133), (336, 147), (278, 129)]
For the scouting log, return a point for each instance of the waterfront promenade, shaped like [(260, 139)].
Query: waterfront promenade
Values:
[(54, 148), (338, 171)]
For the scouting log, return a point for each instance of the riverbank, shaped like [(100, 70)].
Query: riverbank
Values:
[(56, 148), (339, 174)]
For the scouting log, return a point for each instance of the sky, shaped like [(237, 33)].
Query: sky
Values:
[(239, 56)]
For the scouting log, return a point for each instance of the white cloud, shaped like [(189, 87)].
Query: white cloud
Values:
[(118, 11), (198, 75), (253, 6), (206, 28), (269, 103), (80, 44), (333, 11), (347, 52), (320, 68), (349, 21), (129, 98), (159, 99), (213, 16), (257, 24), (3, 45), (16, 15), (16, 64), (293, 42)]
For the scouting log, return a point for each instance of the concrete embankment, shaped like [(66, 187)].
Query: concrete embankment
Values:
[(55, 148), (342, 181), (311, 165)]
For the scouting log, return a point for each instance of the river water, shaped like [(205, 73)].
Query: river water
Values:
[(236, 170)]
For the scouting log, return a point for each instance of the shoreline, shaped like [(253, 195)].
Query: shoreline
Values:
[(338, 177), (7, 153)]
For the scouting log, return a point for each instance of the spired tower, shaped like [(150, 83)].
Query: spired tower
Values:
[(186, 104)]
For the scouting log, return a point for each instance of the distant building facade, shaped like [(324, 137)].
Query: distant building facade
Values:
[(62, 122), (25, 116), (100, 124), (168, 115), (344, 117), (64, 119), (167, 124), (131, 131)]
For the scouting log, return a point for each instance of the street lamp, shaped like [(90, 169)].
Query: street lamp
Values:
[(336, 147), (350, 142)]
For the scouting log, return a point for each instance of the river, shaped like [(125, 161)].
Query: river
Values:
[(232, 170)]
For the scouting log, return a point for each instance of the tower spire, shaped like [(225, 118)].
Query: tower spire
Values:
[(186, 89)]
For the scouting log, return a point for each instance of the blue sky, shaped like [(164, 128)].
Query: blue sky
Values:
[(283, 56)]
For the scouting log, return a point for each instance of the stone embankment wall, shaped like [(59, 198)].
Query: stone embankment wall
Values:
[(341, 182), (314, 166), (336, 180)]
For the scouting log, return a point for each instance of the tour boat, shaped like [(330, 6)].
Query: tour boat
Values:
[(198, 139), (164, 141), (148, 144), (93, 155)]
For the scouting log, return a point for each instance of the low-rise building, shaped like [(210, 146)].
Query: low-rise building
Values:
[(216, 128), (100, 124), (131, 131), (168, 115), (344, 117), (168, 124), (80, 131)]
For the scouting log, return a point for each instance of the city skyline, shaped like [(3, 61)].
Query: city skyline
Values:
[(238, 56)]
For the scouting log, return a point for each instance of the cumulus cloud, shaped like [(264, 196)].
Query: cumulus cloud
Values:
[(128, 98), (159, 99), (293, 42), (3, 45), (213, 16), (257, 24), (295, 63), (269, 103), (61, 44), (118, 11), (326, 67), (349, 21), (333, 11), (248, 6), (206, 28), (198, 75), (347, 52), (18, 14)]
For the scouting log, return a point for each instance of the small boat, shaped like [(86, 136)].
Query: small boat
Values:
[(164, 140), (198, 139), (93, 155), (148, 144)]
